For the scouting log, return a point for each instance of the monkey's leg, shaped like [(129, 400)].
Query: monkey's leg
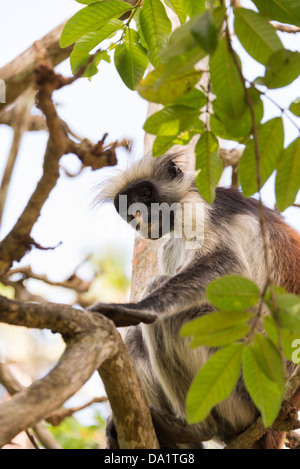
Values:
[(171, 432), (111, 434), (174, 293)]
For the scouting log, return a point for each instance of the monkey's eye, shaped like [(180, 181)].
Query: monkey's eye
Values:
[(146, 192), (174, 171)]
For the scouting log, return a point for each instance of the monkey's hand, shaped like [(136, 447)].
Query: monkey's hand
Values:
[(124, 314)]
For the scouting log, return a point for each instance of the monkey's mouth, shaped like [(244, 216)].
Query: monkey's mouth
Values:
[(151, 224)]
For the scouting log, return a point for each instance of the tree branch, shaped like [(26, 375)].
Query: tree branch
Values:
[(92, 343), (20, 123), (18, 75), (74, 282), (19, 241), (57, 417)]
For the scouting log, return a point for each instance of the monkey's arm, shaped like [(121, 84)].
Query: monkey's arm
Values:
[(185, 289)]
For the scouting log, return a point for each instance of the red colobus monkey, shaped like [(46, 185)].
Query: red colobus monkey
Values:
[(227, 240)]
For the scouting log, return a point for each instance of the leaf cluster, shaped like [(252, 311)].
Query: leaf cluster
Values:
[(228, 106), (247, 344)]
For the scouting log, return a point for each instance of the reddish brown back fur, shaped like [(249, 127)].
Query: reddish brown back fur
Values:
[(285, 248)]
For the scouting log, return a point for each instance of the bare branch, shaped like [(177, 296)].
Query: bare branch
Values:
[(57, 417), (20, 123), (18, 75), (18, 241), (13, 386), (74, 282)]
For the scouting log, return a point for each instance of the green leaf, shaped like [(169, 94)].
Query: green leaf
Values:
[(208, 165), (192, 7), (295, 107), (80, 52), (177, 7), (256, 34), (233, 293), (264, 392), (282, 68), (194, 98), (131, 60), (287, 337), (162, 144), (269, 360), (181, 40), (270, 144), (217, 329), (167, 91), (285, 11), (226, 82), (225, 127), (220, 338), (91, 18), (156, 28), (205, 32), (139, 28), (170, 120), (288, 175), (216, 321), (288, 311), (214, 382)]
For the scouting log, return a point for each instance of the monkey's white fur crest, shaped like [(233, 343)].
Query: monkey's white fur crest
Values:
[(148, 168)]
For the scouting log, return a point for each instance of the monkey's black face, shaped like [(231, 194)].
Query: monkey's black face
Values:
[(142, 206)]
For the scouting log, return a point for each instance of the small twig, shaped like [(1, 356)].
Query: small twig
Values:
[(285, 28), (32, 439), (283, 111), (57, 417), (19, 241), (20, 124), (74, 282)]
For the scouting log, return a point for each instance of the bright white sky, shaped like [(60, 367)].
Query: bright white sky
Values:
[(91, 109)]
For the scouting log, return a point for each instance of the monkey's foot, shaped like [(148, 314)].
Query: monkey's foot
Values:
[(123, 315)]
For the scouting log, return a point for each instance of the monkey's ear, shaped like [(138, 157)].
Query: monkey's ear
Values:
[(185, 160)]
